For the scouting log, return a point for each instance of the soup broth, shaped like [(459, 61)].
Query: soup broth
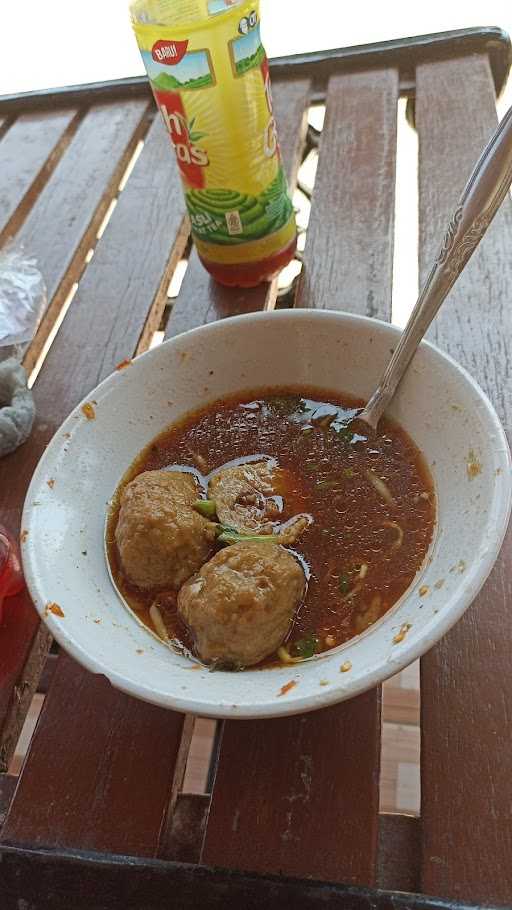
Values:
[(369, 496)]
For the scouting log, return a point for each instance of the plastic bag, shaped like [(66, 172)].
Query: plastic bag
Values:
[(22, 300), (22, 296), (17, 410)]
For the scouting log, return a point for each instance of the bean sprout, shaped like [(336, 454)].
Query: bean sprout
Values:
[(399, 532), (382, 488), (156, 618)]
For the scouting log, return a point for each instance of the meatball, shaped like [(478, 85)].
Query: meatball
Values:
[(242, 497), (239, 606), (160, 537)]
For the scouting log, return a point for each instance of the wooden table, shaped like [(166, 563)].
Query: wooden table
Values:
[(97, 818)]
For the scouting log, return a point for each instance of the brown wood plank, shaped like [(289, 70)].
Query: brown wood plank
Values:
[(28, 153), (308, 795), (117, 290), (99, 764), (60, 880), (400, 706), (47, 674), (399, 853), (299, 796), (348, 259), (201, 300), (466, 691), (25, 646), (24, 642), (182, 842), (62, 225), (128, 276), (399, 842), (103, 326), (7, 785)]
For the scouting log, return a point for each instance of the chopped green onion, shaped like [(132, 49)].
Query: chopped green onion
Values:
[(205, 507), (344, 584), (328, 484), (306, 647), (342, 431), (348, 472), (229, 535)]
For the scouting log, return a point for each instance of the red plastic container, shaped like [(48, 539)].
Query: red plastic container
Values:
[(11, 576)]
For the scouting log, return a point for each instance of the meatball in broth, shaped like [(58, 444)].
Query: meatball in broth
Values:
[(243, 496), (240, 605), (161, 539)]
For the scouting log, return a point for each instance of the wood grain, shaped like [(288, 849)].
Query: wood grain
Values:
[(399, 842), (127, 278), (24, 652), (60, 880), (348, 259), (182, 842), (399, 705), (64, 220), (7, 786), (102, 327), (97, 771), (304, 790), (201, 300), (28, 153), (466, 691), (308, 795), (399, 853)]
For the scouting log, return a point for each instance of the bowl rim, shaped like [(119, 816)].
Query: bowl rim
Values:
[(410, 650)]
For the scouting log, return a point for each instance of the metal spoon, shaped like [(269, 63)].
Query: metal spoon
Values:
[(482, 196)]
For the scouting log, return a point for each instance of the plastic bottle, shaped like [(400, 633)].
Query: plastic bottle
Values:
[(11, 576), (210, 78)]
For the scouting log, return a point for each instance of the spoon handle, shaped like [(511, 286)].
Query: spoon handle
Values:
[(480, 200)]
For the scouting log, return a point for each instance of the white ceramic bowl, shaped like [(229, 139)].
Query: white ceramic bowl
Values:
[(438, 403)]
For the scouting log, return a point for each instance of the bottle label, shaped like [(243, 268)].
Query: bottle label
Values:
[(212, 87)]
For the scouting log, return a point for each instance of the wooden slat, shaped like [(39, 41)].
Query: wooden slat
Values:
[(133, 262), (399, 842), (7, 785), (99, 764), (305, 789), (348, 260), (201, 300), (25, 646), (103, 326), (47, 674), (301, 789), (466, 692), (130, 275), (399, 853), (60, 880), (63, 223), (116, 293), (182, 841), (399, 705), (400, 53), (28, 153)]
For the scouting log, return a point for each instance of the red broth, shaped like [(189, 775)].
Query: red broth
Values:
[(370, 495)]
